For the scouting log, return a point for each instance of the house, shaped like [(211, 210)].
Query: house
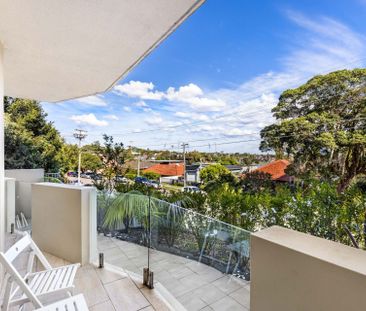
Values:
[(166, 169), (235, 169), (193, 171), (277, 170), (169, 172)]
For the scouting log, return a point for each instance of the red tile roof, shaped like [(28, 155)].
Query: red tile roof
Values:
[(167, 169), (276, 169)]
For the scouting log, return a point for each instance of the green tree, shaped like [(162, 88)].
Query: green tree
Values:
[(214, 173), (151, 175), (30, 140), (256, 181), (322, 126), (90, 162), (68, 158), (112, 156)]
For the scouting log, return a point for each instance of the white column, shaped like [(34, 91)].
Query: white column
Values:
[(2, 151)]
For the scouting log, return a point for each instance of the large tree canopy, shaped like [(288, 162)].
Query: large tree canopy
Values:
[(30, 140), (322, 126)]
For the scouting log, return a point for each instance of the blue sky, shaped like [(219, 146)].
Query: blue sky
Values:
[(213, 82)]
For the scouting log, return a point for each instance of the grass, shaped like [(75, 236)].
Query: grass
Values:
[(171, 187)]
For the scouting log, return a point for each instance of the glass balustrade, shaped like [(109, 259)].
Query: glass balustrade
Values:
[(185, 250)]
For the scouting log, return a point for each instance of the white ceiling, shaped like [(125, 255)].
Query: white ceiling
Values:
[(62, 49)]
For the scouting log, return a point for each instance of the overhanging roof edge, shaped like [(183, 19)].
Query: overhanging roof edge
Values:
[(188, 13)]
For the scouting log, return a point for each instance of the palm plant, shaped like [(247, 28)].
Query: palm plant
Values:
[(127, 206)]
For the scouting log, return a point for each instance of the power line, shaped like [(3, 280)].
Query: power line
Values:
[(258, 139), (247, 134)]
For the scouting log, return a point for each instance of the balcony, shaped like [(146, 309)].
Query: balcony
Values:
[(194, 275), (199, 263), (110, 288)]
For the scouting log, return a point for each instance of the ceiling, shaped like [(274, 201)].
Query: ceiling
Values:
[(56, 50)]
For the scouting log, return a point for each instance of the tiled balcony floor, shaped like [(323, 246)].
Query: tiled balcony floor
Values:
[(196, 286), (108, 289)]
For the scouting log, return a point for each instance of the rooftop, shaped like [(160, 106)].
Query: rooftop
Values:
[(276, 169), (167, 169)]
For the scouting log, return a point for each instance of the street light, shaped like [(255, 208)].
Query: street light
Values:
[(79, 135)]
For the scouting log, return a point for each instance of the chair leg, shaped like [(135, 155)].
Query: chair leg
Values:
[(8, 287)]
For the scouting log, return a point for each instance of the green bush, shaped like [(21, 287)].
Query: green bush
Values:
[(131, 176), (151, 175)]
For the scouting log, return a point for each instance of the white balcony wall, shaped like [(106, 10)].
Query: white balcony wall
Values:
[(24, 180), (9, 203), (295, 271), (64, 221)]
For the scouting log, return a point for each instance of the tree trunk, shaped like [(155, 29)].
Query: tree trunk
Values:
[(344, 183)]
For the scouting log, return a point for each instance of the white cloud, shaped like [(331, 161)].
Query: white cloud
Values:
[(326, 45), (127, 109), (140, 103), (203, 128), (142, 90), (192, 116), (184, 92), (238, 132), (154, 120), (111, 117), (190, 94), (92, 101), (89, 119)]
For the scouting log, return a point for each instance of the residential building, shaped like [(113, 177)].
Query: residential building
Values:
[(193, 171), (167, 169), (277, 171)]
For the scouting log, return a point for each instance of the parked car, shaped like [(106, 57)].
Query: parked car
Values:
[(191, 189), (72, 174), (121, 179), (141, 180), (96, 176), (153, 183), (89, 174)]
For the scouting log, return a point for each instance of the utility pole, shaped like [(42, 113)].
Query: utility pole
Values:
[(184, 145), (79, 135), (138, 162), (138, 165)]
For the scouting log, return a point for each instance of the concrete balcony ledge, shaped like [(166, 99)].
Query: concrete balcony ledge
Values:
[(322, 249), (64, 221), (296, 271)]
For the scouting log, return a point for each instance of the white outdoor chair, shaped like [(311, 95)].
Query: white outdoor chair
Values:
[(74, 303), (34, 285), (22, 223)]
